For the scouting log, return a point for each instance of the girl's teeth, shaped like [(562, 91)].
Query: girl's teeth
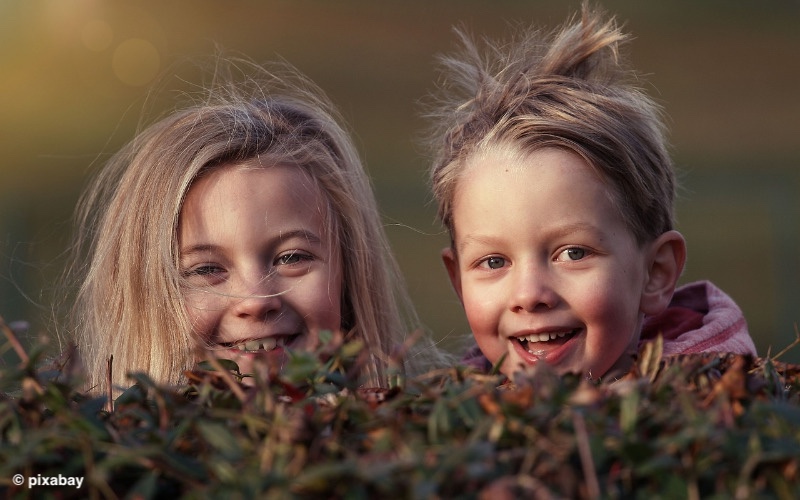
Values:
[(267, 344)]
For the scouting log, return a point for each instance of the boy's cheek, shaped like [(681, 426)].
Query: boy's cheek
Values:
[(482, 322), (451, 265), (492, 348)]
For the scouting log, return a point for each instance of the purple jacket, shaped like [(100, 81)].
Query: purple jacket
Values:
[(700, 318)]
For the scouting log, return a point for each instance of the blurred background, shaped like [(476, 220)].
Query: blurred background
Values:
[(75, 77)]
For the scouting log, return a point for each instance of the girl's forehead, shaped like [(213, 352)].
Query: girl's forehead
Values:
[(242, 186), (240, 202), (254, 174)]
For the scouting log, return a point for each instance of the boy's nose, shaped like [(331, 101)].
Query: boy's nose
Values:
[(532, 290)]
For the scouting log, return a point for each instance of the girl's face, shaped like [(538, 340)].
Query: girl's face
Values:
[(260, 268), (544, 265)]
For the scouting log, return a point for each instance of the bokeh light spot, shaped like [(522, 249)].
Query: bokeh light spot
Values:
[(136, 61), (97, 35)]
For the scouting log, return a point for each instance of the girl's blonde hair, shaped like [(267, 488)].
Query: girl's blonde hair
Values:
[(569, 89), (129, 303)]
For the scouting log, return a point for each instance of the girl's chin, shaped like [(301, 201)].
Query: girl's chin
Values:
[(258, 364)]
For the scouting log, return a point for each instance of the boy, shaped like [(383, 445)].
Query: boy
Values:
[(554, 182)]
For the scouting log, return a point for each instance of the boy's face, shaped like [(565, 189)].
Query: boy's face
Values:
[(544, 265)]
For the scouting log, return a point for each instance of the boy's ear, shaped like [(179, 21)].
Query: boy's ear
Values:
[(450, 260), (667, 255)]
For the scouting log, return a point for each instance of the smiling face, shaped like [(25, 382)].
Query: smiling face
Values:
[(260, 268), (544, 265)]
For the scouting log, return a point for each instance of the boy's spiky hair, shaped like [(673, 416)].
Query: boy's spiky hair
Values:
[(568, 89)]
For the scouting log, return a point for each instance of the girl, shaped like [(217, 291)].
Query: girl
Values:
[(243, 224)]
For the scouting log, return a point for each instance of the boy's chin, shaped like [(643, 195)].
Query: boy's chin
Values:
[(615, 372), (621, 368)]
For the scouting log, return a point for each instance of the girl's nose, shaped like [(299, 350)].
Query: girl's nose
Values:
[(533, 290), (259, 301)]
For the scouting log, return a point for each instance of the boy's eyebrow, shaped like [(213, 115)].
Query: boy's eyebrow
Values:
[(557, 232), (303, 234), (481, 240), (576, 227)]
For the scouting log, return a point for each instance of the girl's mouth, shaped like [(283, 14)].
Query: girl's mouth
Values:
[(261, 345)]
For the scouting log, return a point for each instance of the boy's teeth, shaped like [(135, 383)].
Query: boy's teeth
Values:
[(544, 337), (267, 344)]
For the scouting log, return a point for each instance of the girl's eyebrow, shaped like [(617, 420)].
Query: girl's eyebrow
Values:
[(303, 234), (199, 248)]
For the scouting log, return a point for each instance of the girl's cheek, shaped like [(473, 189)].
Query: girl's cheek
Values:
[(201, 318)]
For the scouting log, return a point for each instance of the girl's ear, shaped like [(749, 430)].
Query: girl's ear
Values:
[(666, 257), (450, 260)]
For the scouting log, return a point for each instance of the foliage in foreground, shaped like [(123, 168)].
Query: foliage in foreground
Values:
[(697, 426)]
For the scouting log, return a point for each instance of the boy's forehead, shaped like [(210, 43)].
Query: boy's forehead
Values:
[(515, 160), (509, 177)]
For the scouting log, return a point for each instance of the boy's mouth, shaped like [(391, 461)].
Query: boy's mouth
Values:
[(537, 343)]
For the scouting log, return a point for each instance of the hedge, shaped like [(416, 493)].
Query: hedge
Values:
[(700, 426)]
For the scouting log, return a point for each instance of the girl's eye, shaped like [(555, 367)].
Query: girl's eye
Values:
[(572, 254), (204, 270), (205, 275), (494, 262), (292, 257)]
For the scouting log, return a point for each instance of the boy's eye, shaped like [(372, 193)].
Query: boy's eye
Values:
[(572, 254), (494, 262)]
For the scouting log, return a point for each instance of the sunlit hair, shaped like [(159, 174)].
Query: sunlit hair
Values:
[(567, 89), (129, 303)]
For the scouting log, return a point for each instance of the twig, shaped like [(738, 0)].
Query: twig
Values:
[(14, 341), (226, 376), (396, 375), (585, 453), (109, 394), (496, 368), (790, 346)]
